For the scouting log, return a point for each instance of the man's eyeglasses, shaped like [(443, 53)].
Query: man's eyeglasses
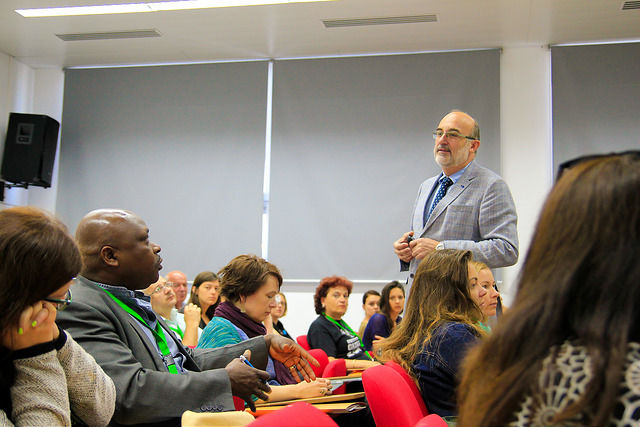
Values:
[(161, 288), (61, 304), (450, 135), (175, 285)]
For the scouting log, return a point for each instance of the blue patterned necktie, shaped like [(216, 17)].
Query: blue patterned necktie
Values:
[(445, 183)]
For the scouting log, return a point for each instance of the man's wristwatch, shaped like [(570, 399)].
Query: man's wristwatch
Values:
[(440, 246)]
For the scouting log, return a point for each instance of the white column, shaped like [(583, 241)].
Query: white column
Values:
[(525, 104)]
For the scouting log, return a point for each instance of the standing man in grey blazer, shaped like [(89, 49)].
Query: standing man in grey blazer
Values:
[(465, 207), (156, 377)]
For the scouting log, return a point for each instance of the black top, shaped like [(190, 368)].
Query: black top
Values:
[(336, 342), (279, 327)]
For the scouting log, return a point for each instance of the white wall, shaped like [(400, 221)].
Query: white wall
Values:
[(25, 90)]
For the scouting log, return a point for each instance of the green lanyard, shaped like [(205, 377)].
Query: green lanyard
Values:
[(346, 327), (177, 330), (158, 333)]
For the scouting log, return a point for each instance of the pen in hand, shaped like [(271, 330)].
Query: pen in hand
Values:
[(246, 362)]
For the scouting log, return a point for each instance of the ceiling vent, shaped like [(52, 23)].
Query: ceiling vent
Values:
[(629, 5), (337, 23), (111, 35)]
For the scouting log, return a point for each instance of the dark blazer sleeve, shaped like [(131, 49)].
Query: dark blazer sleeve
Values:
[(145, 391)]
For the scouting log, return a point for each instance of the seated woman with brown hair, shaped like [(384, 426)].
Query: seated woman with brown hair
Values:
[(329, 332), (249, 285), (205, 293), (567, 352), (440, 324), (47, 379), (382, 324)]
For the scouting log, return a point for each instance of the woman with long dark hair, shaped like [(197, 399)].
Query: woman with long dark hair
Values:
[(440, 324), (382, 324), (568, 351), (205, 293), (47, 379)]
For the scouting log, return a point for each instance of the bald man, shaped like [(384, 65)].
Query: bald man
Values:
[(465, 207), (179, 284), (156, 377)]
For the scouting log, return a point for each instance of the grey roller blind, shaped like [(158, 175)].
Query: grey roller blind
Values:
[(182, 146), (596, 99), (351, 144)]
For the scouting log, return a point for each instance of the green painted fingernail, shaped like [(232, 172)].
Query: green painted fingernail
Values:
[(20, 331), (34, 323)]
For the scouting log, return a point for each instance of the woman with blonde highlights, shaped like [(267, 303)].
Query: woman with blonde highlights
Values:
[(568, 351), (440, 324)]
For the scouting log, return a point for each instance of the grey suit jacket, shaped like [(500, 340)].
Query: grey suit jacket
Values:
[(476, 214), (145, 391)]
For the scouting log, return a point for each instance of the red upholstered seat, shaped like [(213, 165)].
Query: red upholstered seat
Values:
[(300, 414), (336, 368), (412, 385), (390, 398), (432, 420), (322, 358), (302, 342)]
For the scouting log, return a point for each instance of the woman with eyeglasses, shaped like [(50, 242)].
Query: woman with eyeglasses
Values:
[(568, 350), (273, 323), (47, 378)]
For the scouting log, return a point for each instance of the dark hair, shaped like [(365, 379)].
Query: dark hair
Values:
[(384, 300), (368, 294), (580, 282), (324, 286), (439, 294), (205, 276), (37, 257), (244, 275)]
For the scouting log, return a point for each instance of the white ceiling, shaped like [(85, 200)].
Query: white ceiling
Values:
[(297, 30)]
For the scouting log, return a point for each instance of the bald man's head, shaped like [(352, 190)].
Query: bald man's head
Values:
[(116, 250)]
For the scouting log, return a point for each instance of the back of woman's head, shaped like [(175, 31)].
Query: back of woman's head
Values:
[(37, 257), (244, 275), (441, 287), (580, 282)]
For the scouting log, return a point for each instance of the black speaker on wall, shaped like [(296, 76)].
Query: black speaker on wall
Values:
[(30, 149)]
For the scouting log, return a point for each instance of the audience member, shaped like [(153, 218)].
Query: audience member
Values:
[(205, 293), (441, 323), (476, 213), (370, 305), (47, 379), (329, 332), (382, 324), (137, 350), (163, 301), (178, 281), (250, 285), (278, 312), (567, 352), (488, 283)]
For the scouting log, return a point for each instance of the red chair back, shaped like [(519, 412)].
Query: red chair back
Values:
[(300, 414), (390, 398), (412, 385), (302, 342), (238, 403), (322, 358), (432, 420)]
